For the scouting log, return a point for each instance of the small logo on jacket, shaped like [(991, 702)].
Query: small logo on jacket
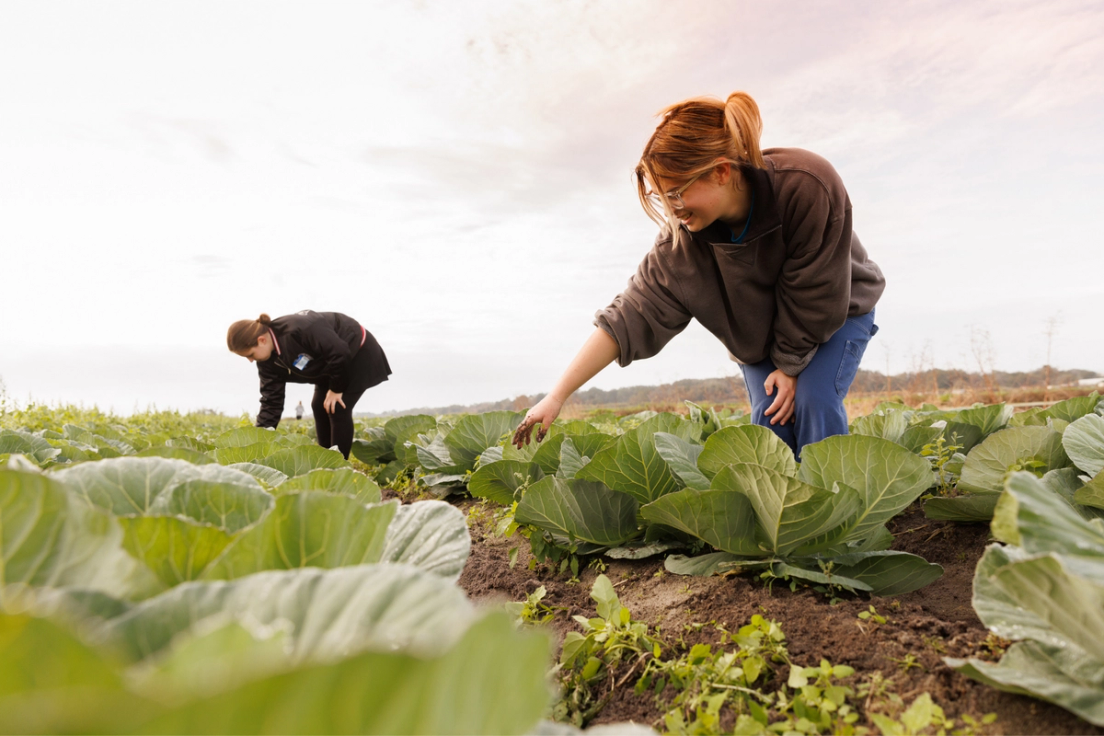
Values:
[(301, 362)]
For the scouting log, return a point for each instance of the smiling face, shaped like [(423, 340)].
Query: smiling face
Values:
[(260, 352), (711, 197)]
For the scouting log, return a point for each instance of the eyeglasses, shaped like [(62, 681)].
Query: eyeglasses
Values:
[(674, 197)]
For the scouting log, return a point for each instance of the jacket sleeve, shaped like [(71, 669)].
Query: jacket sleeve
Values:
[(648, 313), (813, 294), (272, 398), (327, 346)]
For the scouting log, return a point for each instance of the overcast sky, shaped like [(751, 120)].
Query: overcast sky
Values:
[(456, 175)]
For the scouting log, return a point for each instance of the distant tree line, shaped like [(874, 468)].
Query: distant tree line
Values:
[(731, 390)]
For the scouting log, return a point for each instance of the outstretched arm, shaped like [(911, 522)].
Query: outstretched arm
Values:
[(597, 352)]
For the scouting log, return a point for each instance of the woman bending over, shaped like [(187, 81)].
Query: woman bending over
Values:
[(758, 247), (329, 349)]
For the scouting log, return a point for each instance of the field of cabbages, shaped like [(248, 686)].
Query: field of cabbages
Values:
[(935, 571)]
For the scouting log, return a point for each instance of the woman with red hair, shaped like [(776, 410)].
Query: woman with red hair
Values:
[(756, 245)]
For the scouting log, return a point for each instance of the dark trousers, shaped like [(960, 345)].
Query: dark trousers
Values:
[(821, 387), (337, 428)]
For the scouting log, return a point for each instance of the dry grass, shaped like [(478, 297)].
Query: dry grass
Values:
[(860, 404)]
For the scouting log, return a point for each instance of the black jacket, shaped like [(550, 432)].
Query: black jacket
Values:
[(322, 348)]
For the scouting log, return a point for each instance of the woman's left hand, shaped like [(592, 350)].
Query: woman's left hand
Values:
[(331, 402), (783, 405)]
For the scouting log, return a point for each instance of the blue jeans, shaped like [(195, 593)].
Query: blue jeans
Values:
[(821, 387)]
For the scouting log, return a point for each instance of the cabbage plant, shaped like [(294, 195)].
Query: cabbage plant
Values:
[(150, 595), (1044, 589)]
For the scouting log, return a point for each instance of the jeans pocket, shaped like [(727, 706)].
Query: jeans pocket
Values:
[(849, 366)]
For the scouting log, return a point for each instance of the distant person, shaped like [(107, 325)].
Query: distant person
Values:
[(758, 247), (328, 349), (299, 410)]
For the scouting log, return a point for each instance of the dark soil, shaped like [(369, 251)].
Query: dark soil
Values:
[(929, 624)]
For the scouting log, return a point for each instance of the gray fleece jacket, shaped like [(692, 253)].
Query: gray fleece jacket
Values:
[(798, 273)]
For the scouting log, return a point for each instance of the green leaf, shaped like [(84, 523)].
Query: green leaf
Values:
[(435, 456), (571, 460), (47, 539), (175, 549), (988, 419), (402, 430), (229, 507), (682, 457), (724, 519), (1031, 515), (989, 463), (263, 473), (308, 530), (190, 443), (254, 453), (1084, 442), (886, 476), (889, 426), (178, 453), (374, 447), (430, 535), (965, 436), (1065, 677), (579, 509), (342, 480), (303, 459), (888, 573), (632, 465), (501, 480), (244, 436), (708, 564), (396, 693), (748, 443), (14, 441), (586, 443), (914, 438), (973, 507), (785, 570), (328, 614), (385, 691), (476, 432), (603, 594), (1092, 493), (793, 516), (131, 485)]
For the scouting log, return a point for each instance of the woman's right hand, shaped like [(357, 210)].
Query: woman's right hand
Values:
[(544, 413)]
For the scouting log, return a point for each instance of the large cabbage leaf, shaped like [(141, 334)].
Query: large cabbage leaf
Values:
[(431, 535), (308, 529), (132, 485), (793, 517), (682, 458), (722, 518), (476, 432), (227, 506), (749, 443), (175, 548), (632, 465), (886, 476), (1084, 443), (300, 460), (1016, 448), (500, 481), (340, 480), (1045, 588), (580, 510), (48, 538), (228, 679)]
